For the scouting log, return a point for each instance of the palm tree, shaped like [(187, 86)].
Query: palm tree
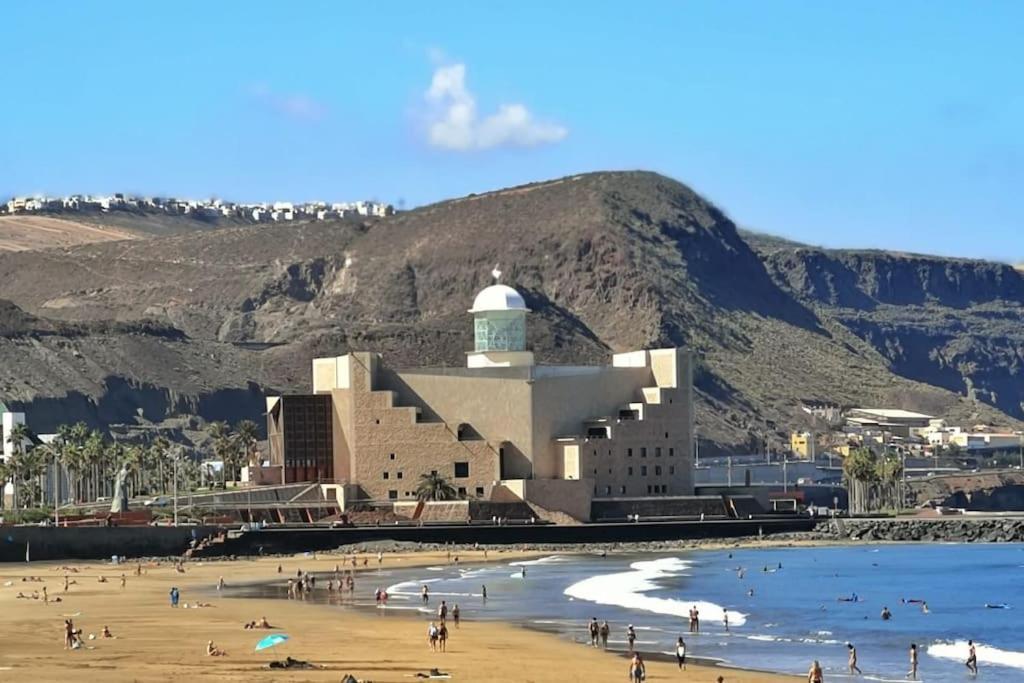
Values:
[(160, 450), (93, 454), (249, 436), (435, 487), (19, 434), (860, 472), (5, 476), (225, 447)]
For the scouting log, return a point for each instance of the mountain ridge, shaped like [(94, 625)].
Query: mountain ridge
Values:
[(608, 261)]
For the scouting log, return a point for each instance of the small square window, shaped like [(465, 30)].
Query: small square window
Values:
[(629, 471), (643, 452), (622, 490), (643, 471), (648, 489), (671, 469), (595, 470), (666, 435), (657, 451), (607, 490), (377, 421), (479, 491), (386, 475), (657, 470), (629, 452), (461, 470), (392, 494), (671, 452), (391, 457), (462, 491), (398, 475)]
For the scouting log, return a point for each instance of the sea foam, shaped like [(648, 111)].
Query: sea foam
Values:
[(986, 654), (627, 589)]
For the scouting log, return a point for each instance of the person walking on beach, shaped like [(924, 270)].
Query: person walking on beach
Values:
[(595, 631), (630, 636), (455, 615), (123, 580), (442, 636), (605, 632), (681, 653), (175, 595), (852, 659), (815, 674), (912, 674), (483, 593), (637, 672), (972, 658), (425, 594), (725, 618), (432, 636), (442, 611)]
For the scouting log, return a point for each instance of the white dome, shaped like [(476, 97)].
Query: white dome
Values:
[(498, 298)]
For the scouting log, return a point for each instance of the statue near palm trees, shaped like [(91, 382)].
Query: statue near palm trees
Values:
[(120, 500)]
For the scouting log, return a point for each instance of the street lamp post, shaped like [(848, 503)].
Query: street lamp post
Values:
[(176, 454), (56, 491)]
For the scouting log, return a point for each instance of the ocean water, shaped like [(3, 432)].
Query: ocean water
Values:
[(794, 616)]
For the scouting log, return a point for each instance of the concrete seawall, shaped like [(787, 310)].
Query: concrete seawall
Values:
[(92, 543), (299, 540), (101, 543)]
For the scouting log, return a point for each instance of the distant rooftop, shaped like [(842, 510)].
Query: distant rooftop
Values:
[(892, 414)]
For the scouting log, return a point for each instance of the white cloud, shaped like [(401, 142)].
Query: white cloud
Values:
[(455, 123), (293, 105)]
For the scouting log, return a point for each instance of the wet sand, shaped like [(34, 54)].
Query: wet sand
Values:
[(155, 642)]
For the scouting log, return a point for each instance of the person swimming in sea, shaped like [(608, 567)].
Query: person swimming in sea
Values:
[(853, 598), (886, 614)]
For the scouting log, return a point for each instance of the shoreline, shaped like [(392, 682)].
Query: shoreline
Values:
[(155, 642)]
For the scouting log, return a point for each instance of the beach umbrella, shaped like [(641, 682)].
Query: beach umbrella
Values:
[(270, 641)]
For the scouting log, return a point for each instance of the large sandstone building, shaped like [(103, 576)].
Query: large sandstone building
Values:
[(557, 436)]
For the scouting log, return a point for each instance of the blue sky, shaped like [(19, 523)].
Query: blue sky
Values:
[(881, 124)]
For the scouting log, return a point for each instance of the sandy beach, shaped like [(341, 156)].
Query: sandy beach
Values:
[(155, 642)]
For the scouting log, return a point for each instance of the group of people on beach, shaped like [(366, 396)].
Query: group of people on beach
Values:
[(599, 632)]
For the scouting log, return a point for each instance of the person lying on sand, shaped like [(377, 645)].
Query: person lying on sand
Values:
[(214, 651)]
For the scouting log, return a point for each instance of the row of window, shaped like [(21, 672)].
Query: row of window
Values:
[(461, 470), (479, 492), (651, 489), (643, 451)]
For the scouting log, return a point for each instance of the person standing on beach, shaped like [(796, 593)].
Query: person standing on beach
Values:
[(972, 658), (455, 615), (595, 631), (630, 636), (725, 618), (815, 674), (69, 634), (637, 672), (605, 632), (852, 659), (123, 580), (681, 653), (425, 594), (442, 611), (696, 619), (483, 592), (912, 674)]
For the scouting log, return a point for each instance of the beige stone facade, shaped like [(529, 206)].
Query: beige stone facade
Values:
[(619, 430)]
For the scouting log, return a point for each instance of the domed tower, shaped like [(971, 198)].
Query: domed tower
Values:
[(499, 329)]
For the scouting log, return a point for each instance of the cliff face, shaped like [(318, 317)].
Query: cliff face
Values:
[(607, 262), (950, 323)]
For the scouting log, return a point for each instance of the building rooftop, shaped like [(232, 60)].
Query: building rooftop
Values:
[(893, 414), (498, 298)]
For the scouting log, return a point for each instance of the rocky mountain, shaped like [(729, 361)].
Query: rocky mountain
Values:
[(148, 330)]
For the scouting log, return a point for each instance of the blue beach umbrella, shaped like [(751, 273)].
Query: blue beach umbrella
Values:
[(271, 641)]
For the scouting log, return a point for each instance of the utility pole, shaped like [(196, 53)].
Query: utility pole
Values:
[(785, 478)]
